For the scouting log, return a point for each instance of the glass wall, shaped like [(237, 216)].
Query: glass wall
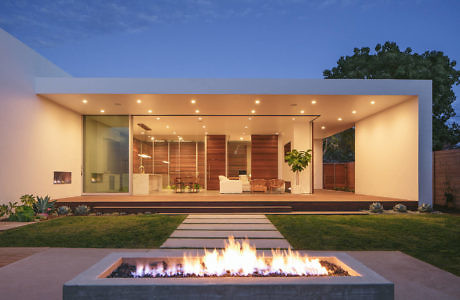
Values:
[(106, 154)]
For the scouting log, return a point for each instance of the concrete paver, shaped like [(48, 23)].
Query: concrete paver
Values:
[(226, 233), (226, 226), (197, 243), (226, 216), (11, 225), (226, 221)]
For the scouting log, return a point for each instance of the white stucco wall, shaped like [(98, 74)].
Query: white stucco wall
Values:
[(37, 136), (387, 153), (318, 163)]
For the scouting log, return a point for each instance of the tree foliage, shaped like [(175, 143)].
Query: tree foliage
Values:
[(340, 147), (389, 62)]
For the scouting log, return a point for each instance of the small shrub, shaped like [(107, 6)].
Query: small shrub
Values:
[(28, 200), (8, 209), (63, 210), (44, 205), (22, 213), (81, 210), (400, 208), (376, 207), (425, 208)]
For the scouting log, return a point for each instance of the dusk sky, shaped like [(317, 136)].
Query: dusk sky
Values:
[(211, 38)]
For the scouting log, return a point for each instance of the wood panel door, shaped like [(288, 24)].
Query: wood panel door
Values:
[(215, 160), (264, 156)]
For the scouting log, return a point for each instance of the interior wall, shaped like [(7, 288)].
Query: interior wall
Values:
[(386, 152), (318, 163), (37, 136)]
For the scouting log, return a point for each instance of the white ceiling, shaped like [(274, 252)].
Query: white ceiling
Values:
[(328, 107)]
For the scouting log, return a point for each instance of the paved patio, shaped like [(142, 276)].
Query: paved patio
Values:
[(41, 275)]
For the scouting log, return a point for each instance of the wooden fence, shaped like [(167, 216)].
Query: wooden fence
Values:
[(339, 175), (446, 176)]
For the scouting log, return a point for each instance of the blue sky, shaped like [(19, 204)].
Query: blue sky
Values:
[(212, 38)]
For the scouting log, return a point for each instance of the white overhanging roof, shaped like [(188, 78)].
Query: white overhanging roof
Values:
[(333, 104)]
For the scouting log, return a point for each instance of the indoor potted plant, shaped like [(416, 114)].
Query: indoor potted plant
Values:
[(298, 161)]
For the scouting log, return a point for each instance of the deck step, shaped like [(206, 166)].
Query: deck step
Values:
[(193, 209)]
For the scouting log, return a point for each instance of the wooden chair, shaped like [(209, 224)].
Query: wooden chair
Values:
[(276, 184), (258, 185)]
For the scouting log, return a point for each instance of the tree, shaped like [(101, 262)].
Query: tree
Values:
[(340, 147), (388, 62)]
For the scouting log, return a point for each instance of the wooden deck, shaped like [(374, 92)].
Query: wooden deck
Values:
[(213, 202)]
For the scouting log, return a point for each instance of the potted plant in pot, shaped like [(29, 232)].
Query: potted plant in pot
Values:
[(298, 161)]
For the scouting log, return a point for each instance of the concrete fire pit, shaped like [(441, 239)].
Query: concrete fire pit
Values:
[(363, 283)]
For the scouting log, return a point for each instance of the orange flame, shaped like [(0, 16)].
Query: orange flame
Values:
[(239, 259)]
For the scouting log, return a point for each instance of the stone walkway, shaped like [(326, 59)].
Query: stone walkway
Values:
[(212, 230), (5, 225)]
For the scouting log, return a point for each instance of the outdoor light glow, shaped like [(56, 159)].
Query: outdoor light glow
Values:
[(102, 111), (353, 112), (313, 102), (372, 102), (139, 101), (340, 119), (84, 101), (257, 101)]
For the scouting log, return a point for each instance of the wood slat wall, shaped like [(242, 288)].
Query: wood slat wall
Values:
[(236, 158), (160, 156), (264, 156), (446, 173), (201, 164), (215, 160), (344, 175)]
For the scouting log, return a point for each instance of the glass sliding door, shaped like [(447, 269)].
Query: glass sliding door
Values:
[(106, 154)]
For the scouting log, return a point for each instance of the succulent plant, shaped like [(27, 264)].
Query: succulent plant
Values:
[(425, 208), (400, 208), (28, 200), (63, 210), (81, 210), (44, 205), (22, 213), (376, 207)]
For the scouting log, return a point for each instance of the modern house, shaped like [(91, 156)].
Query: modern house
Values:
[(67, 136)]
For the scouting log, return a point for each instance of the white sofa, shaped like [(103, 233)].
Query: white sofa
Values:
[(228, 186)]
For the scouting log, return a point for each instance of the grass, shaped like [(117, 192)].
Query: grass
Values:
[(137, 231), (432, 238)]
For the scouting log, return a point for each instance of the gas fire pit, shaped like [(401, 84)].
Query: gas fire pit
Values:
[(236, 272)]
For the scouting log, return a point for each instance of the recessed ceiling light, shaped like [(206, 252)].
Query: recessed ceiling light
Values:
[(372, 102), (313, 101), (245, 126), (102, 111), (150, 111), (241, 138), (249, 118), (302, 111), (167, 126), (142, 132), (139, 101), (152, 138), (197, 111), (200, 118), (277, 133), (340, 119), (323, 127), (206, 132), (158, 118), (353, 111), (84, 101), (257, 101), (174, 132), (193, 101), (253, 111), (293, 119), (204, 126)]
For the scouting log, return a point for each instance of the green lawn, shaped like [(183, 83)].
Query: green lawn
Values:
[(137, 231), (432, 238)]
